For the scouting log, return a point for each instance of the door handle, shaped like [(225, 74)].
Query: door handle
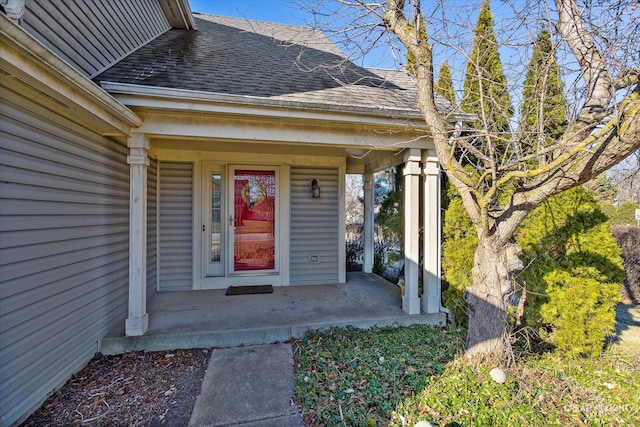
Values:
[(231, 220)]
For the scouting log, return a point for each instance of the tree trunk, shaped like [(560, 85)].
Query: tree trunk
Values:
[(488, 299)]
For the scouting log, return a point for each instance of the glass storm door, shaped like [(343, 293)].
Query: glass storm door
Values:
[(254, 220), (214, 227)]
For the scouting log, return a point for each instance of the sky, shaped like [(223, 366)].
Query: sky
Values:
[(281, 11), (291, 12), (462, 14)]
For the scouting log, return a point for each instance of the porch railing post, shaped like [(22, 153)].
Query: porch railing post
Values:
[(368, 244), (411, 172), (137, 321), (431, 241)]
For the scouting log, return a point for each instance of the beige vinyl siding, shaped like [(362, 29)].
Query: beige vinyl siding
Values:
[(152, 226), (91, 35), (175, 226), (64, 221), (314, 227)]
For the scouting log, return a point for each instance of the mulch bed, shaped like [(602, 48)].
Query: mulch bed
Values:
[(133, 389)]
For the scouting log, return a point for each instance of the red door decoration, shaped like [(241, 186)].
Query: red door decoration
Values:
[(254, 220)]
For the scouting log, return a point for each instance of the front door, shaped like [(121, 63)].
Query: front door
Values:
[(254, 217)]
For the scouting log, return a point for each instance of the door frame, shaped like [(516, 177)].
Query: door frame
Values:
[(208, 169), (279, 277)]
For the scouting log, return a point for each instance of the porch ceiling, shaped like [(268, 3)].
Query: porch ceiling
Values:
[(358, 160)]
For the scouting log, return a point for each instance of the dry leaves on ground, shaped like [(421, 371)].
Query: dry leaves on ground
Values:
[(133, 389)]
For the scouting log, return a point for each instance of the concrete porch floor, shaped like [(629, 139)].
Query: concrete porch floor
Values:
[(202, 319)]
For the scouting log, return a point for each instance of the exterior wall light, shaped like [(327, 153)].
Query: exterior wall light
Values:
[(315, 189)]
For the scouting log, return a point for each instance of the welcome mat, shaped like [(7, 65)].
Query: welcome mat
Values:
[(248, 290)]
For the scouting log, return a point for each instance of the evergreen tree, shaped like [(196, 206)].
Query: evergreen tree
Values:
[(573, 276), (625, 214), (485, 86), (498, 187), (571, 256), (604, 189), (575, 272), (543, 111), (444, 86), (390, 216)]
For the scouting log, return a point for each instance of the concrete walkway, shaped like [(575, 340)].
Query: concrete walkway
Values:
[(248, 386), (250, 380), (254, 386), (204, 319), (628, 327)]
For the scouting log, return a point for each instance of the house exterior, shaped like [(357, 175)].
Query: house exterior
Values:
[(144, 149)]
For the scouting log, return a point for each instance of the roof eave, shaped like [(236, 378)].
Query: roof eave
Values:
[(155, 97), (79, 89), (178, 14)]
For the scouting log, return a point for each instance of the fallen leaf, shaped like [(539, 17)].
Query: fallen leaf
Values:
[(97, 401)]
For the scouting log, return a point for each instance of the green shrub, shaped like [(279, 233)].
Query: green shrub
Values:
[(608, 209), (378, 263), (390, 226), (390, 217), (625, 214), (575, 272), (458, 247), (582, 323), (573, 275)]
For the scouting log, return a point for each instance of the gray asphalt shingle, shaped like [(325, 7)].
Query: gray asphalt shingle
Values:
[(250, 58)]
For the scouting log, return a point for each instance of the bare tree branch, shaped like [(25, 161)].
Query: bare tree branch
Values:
[(501, 175)]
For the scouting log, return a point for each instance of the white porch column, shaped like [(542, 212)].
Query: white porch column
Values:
[(431, 250), (138, 320), (368, 232), (411, 300)]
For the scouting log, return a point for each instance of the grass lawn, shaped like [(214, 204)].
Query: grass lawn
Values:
[(399, 376)]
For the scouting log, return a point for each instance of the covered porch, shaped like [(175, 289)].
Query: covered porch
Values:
[(209, 318)]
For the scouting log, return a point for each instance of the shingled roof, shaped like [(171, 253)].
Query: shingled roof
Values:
[(258, 59)]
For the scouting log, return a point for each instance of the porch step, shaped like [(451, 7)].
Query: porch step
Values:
[(184, 339)]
